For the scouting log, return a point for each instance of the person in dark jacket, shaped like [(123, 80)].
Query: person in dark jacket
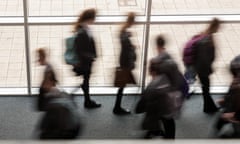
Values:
[(86, 51), (203, 60), (163, 98), (49, 78), (127, 62), (230, 103)]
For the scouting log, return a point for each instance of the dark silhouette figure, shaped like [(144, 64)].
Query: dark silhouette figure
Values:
[(86, 51), (49, 77), (60, 119), (163, 98), (230, 103), (127, 62), (203, 60)]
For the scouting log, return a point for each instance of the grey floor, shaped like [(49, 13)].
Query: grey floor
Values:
[(18, 119)]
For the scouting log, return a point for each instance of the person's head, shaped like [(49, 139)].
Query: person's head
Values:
[(41, 52), (86, 17), (160, 43), (129, 21), (213, 26)]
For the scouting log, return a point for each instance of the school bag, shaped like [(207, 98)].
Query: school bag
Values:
[(188, 50), (70, 55)]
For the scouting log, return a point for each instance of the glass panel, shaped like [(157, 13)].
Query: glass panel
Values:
[(227, 46), (11, 8), (74, 7), (160, 7), (12, 55), (106, 37)]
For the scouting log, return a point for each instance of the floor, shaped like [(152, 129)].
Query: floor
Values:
[(12, 48), (19, 119)]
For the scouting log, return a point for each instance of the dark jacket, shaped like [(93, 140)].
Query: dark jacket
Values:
[(42, 100), (127, 54), (204, 55), (61, 119), (85, 48), (159, 100), (164, 64)]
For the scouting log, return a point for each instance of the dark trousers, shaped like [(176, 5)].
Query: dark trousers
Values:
[(85, 71), (208, 103), (119, 98), (85, 86), (169, 128)]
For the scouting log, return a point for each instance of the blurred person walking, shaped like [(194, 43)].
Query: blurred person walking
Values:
[(204, 55), (127, 60), (163, 98), (60, 120), (49, 76), (86, 53), (230, 103)]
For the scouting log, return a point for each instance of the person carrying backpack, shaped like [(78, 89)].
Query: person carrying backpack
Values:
[(86, 53), (188, 58)]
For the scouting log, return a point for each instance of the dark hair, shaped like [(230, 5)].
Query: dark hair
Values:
[(41, 53), (160, 41), (130, 20), (213, 26), (86, 15)]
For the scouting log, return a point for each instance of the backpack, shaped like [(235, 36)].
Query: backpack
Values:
[(70, 55), (188, 50)]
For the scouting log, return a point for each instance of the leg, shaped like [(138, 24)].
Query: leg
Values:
[(88, 103), (208, 103), (119, 97), (169, 127), (117, 108)]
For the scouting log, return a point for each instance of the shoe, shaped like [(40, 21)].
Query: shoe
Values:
[(152, 134), (91, 104), (121, 111), (210, 111)]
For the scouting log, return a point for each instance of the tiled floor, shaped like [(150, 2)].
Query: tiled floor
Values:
[(12, 48)]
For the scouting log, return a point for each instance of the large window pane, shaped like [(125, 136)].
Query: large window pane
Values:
[(106, 37), (227, 44), (11, 8), (74, 7), (12, 55), (160, 7)]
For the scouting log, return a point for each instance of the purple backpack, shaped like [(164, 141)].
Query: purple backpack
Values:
[(188, 51)]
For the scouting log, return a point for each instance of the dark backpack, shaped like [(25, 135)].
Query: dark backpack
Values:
[(188, 51)]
